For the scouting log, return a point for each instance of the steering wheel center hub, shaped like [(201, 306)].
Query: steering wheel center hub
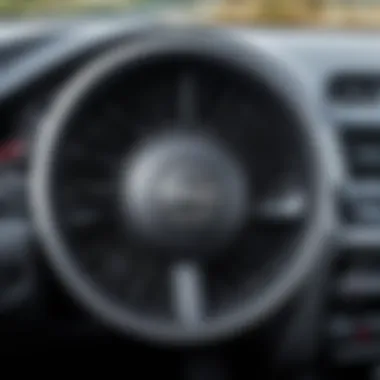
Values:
[(184, 192), (187, 197)]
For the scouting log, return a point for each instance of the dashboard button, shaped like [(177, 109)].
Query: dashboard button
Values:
[(354, 339), (356, 329), (364, 211), (341, 328), (361, 202), (12, 194), (16, 283), (356, 353), (359, 286), (14, 236)]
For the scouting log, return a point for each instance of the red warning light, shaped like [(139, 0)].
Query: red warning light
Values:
[(10, 150), (363, 334)]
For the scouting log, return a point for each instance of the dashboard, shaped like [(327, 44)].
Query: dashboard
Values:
[(192, 192)]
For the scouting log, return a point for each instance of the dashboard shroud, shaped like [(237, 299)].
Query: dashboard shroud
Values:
[(317, 56)]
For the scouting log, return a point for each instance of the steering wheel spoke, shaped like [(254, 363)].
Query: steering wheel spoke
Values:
[(187, 99), (283, 208), (188, 292)]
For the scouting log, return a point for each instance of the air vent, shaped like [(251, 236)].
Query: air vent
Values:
[(353, 102), (362, 146), (348, 89)]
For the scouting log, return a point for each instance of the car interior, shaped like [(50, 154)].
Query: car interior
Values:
[(193, 201)]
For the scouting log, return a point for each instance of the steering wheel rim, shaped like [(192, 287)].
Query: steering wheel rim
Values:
[(286, 83)]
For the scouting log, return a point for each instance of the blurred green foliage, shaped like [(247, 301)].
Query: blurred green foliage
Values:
[(29, 7)]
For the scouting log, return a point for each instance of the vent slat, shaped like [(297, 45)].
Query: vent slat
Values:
[(362, 148), (355, 88)]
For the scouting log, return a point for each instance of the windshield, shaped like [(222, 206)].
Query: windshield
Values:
[(325, 13), (31, 8)]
